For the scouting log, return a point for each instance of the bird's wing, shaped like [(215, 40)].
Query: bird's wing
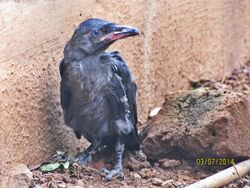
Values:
[(65, 91), (120, 68), (66, 97)]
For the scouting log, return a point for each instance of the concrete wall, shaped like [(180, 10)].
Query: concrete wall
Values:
[(180, 41)]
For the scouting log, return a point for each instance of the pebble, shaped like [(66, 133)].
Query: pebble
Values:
[(20, 176), (156, 181), (61, 185), (74, 186), (170, 163), (80, 183), (147, 173), (168, 184), (136, 176)]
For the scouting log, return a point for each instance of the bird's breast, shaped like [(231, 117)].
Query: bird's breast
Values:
[(89, 78)]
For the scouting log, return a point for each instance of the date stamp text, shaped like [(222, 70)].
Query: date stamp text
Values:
[(214, 161)]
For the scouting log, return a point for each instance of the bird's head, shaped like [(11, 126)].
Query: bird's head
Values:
[(95, 35)]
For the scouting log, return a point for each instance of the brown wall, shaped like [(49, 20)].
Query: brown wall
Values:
[(180, 40)]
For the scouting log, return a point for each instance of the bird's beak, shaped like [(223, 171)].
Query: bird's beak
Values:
[(119, 32)]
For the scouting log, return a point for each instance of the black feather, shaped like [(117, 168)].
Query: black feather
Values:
[(98, 94), (130, 89)]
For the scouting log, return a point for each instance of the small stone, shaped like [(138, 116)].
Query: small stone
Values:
[(156, 181), (136, 176), (156, 165), (21, 169), (154, 112), (61, 185), (20, 176), (147, 173), (135, 163), (80, 183), (170, 163), (74, 186), (168, 184), (125, 185)]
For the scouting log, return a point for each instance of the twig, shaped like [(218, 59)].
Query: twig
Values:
[(237, 172)]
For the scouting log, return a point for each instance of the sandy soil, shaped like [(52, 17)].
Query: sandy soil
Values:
[(140, 173)]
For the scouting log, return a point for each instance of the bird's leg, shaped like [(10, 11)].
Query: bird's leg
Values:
[(85, 156), (117, 169)]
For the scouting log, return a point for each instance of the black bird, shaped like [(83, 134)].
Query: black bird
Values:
[(98, 93)]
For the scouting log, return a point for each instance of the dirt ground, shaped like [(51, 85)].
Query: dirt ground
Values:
[(167, 173), (179, 174)]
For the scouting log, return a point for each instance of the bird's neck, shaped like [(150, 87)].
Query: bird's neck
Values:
[(73, 53)]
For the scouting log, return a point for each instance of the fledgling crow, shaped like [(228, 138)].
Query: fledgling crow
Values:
[(98, 93)]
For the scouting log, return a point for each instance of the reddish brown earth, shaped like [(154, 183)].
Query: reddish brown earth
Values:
[(167, 173), (208, 121), (180, 41), (214, 132)]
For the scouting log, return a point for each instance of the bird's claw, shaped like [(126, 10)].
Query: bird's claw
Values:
[(83, 159), (113, 172)]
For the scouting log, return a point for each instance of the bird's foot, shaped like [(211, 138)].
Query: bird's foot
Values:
[(61, 157), (116, 171), (83, 158)]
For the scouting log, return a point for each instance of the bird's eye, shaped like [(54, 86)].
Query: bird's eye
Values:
[(96, 33)]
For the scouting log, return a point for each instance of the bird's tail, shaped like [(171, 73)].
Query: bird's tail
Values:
[(132, 142)]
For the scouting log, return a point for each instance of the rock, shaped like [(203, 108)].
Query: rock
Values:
[(74, 186), (199, 123), (154, 112), (125, 185), (156, 165), (136, 176), (156, 181), (4, 181), (168, 184), (135, 163), (21, 169), (79, 183), (169, 163), (147, 173), (20, 177), (61, 185)]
